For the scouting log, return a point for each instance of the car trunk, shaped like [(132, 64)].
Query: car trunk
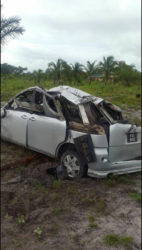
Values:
[(124, 142), (124, 139)]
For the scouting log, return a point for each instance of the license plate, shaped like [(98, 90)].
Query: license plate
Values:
[(132, 137)]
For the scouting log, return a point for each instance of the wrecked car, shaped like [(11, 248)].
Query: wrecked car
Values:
[(87, 133)]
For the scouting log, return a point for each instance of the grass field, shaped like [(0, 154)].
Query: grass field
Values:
[(117, 93)]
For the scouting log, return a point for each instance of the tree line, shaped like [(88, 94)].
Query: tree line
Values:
[(61, 71)]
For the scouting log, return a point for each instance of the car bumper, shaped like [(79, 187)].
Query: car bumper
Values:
[(122, 167)]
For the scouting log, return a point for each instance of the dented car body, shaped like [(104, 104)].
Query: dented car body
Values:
[(87, 133)]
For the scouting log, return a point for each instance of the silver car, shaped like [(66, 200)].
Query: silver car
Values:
[(87, 133)]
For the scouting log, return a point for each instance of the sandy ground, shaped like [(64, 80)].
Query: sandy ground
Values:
[(62, 209)]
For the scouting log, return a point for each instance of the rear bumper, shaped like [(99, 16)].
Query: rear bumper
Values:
[(115, 160), (122, 167)]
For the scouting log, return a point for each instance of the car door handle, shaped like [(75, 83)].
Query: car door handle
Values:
[(32, 119), (24, 116)]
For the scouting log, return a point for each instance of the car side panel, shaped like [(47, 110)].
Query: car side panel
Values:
[(45, 133), (14, 126)]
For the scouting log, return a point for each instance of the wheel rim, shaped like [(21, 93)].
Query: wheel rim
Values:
[(72, 165)]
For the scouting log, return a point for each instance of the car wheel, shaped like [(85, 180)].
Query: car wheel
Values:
[(73, 164)]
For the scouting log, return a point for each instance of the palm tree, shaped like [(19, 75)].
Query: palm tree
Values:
[(90, 70), (77, 69), (56, 69), (67, 71), (10, 27), (38, 76), (108, 66)]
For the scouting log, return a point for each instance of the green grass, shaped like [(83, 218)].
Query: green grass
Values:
[(91, 218), (100, 207), (88, 200), (115, 240), (136, 196), (116, 93), (114, 180), (38, 232), (41, 187), (92, 222), (57, 184), (20, 220), (57, 211)]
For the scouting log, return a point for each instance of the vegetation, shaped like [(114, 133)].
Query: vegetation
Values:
[(57, 211), (115, 240), (57, 184), (77, 71), (62, 71), (124, 89), (21, 220), (90, 70), (92, 221), (115, 179), (56, 69), (10, 28), (136, 196), (38, 232), (108, 66), (127, 73), (91, 218)]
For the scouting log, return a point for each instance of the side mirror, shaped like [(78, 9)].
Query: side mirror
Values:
[(3, 112)]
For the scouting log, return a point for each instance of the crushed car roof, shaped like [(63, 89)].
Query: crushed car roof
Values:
[(75, 95)]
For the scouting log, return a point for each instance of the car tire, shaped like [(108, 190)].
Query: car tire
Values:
[(73, 164)]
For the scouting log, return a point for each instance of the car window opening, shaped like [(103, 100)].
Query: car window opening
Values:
[(38, 98), (71, 111), (51, 104), (115, 114), (22, 102), (25, 97)]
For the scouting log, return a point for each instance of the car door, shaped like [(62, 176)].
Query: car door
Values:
[(46, 132), (14, 123)]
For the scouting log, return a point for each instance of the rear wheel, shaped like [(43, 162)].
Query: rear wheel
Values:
[(73, 164)]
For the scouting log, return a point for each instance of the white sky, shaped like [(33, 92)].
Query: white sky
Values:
[(76, 31)]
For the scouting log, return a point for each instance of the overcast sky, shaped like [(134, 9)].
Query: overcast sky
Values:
[(75, 30)]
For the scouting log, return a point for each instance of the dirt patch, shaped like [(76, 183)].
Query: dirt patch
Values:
[(132, 115), (40, 212)]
